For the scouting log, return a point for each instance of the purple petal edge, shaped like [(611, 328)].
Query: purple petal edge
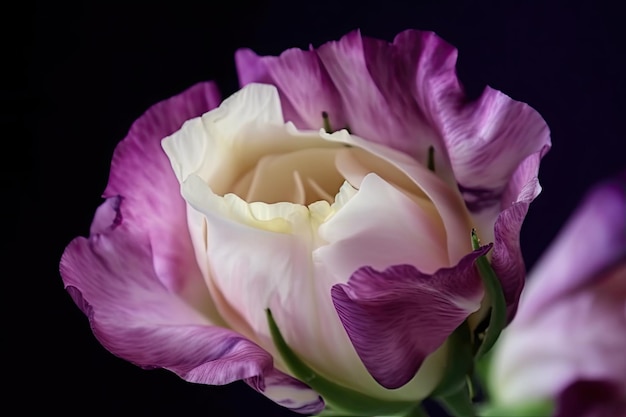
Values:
[(397, 317), (142, 175)]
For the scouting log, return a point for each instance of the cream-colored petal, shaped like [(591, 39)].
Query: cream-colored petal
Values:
[(447, 201)]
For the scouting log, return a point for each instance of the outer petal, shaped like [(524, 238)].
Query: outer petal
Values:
[(112, 278), (507, 260), (361, 82), (397, 317), (304, 85), (141, 173)]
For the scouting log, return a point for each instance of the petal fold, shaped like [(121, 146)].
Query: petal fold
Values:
[(395, 318)]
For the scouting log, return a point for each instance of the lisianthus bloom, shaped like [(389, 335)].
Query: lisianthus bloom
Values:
[(568, 341), (337, 189)]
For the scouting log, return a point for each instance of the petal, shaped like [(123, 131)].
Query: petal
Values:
[(142, 175), (381, 226), (446, 200), (226, 143), (397, 317), (288, 392), (305, 88), (112, 278), (593, 239), (507, 260), (374, 85)]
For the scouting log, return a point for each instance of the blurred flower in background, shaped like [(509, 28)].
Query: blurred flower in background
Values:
[(567, 346)]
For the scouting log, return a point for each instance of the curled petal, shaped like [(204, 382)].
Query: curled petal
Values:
[(141, 173), (507, 259), (395, 318)]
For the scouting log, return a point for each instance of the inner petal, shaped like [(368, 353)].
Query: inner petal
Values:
[(302, 177)]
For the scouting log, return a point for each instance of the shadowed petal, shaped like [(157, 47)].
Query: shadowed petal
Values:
[(141, 173), (397, 317)]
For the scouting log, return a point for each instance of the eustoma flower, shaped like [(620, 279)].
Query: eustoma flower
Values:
[(337, 189), (568, 342)]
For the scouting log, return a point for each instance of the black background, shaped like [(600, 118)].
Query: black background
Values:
[(94, 68)]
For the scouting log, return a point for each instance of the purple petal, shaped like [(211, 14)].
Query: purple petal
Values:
[(397, 317), (288, 392), (111, 277), (374, 80), (303, 84), (507, 260), (142, 175), (592, 240)]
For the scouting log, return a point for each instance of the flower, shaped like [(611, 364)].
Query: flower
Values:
[(568, 341), (356, 239)]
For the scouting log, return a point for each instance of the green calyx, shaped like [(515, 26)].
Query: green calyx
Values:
[(327, 127), (493, 289), (340, 401)]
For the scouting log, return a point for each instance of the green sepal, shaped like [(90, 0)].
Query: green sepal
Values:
[(493, 288), (535, 409), (326, 119), (342, 401), (459, 363), (459, 403), (431, 158)]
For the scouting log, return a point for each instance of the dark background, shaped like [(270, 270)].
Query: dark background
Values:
[(94, 68)]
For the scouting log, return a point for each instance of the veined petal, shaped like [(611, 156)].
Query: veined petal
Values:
[(304, 85), (372, 86), (112, 278), (397, 317), (502, 225), (288, 392), (142, 175)]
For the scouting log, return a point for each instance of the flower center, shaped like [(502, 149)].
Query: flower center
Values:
[(304, 176)]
